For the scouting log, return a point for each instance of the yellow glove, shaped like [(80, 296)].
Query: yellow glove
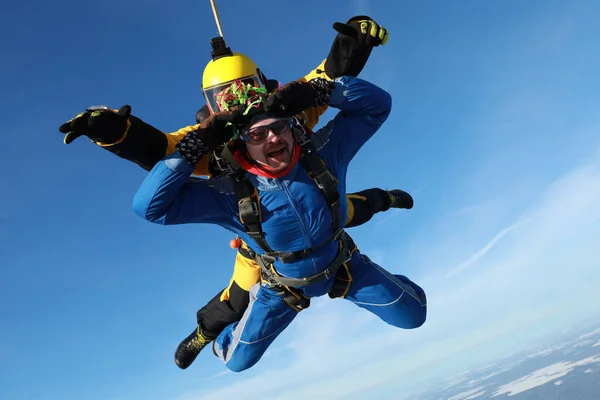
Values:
[(364, 30)]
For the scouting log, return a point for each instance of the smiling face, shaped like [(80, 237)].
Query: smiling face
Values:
[(270, 143)]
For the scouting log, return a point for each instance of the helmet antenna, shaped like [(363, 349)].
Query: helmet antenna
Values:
[(217, 19), (219, 48)]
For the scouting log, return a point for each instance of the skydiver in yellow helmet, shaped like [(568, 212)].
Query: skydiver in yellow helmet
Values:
[(133, 139)]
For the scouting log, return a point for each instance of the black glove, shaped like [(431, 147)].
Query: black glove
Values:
[(202, 114), (296, 97), (271, 85), (364, 30), (213, 132), (352, 46), (99, 123)]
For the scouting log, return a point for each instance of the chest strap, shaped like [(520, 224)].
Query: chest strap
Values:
[(289, 257)]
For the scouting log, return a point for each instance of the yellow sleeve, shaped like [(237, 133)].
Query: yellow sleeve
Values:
[(174, 137), (350, 213), (312, 115)]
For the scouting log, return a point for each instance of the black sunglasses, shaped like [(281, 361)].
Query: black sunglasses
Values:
[(259, 134)]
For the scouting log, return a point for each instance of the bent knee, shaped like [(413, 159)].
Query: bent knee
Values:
[(419, 319), (410, 319)]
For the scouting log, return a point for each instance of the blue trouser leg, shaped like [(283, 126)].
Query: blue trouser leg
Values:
[(241, 344), (393, 298)]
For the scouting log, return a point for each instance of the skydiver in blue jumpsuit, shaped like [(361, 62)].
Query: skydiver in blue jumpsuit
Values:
[(296, 217)]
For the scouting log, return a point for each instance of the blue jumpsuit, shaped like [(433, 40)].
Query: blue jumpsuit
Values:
[(295, 216)]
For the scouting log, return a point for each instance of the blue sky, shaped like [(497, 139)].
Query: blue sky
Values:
[(494, 130)]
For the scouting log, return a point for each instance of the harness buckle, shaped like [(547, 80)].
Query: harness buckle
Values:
[(268, 260), (221, 164)]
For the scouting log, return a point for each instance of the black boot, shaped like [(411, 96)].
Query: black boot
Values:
[(400, 199), (189, 348)]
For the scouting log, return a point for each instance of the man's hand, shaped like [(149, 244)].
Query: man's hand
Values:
[(99, 123), (364, 30), (213, 132), (352, 46), (296, 97)]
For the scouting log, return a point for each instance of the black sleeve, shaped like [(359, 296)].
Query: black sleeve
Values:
[(144, 144)]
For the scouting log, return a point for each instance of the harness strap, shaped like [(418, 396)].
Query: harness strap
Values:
[(343, 278), (289, 257), (272, 276), (222, 161), (323, 178), (295, 299), (292, 296), (249, 209)]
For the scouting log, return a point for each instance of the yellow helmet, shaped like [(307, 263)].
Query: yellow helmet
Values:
[(222, 71)]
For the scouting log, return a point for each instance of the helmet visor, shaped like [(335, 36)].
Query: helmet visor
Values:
[(211, 94)]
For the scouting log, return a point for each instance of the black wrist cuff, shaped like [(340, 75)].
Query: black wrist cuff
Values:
[(191, 148), (323, 89)]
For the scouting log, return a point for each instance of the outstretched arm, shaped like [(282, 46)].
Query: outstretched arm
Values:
[(145, 145), (127, 136)]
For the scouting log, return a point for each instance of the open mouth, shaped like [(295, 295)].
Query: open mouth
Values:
[(276, 152)]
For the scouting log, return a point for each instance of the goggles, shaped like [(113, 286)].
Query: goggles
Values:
[(257, 135)]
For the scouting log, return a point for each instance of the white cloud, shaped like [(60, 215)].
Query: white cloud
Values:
[(477, 255), (475, 395), (592, 333), (543, 376), (469, 394)]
